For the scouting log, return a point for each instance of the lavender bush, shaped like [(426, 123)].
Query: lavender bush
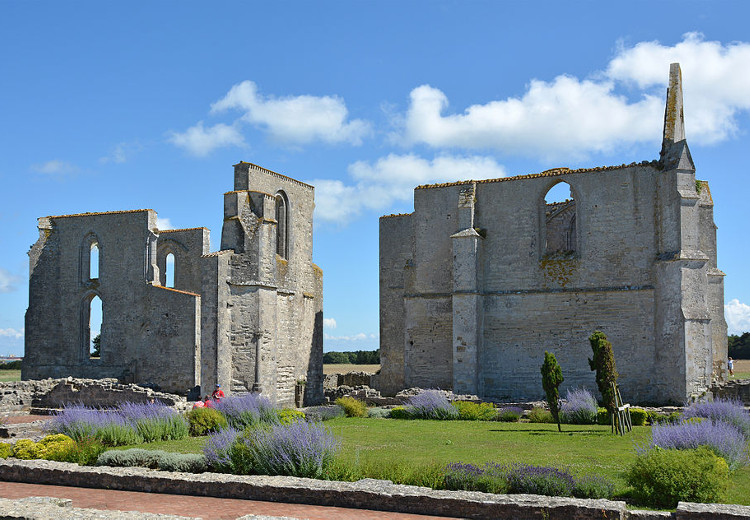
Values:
[(488, 478), (155, 422), (722, 438), (299, 449), (129, 424), (218, 449), (523, 478), (509, 414), (722, 410), (539, 480), (579, 407), (246, 410), (108, 427), (431, 404)]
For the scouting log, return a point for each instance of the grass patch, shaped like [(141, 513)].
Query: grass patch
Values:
[(388, 443), (9, 375)]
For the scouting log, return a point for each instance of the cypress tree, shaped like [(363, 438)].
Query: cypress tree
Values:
[(551, 379), (606, 372)]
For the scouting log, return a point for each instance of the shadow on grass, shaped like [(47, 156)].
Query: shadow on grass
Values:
[(597, 433)]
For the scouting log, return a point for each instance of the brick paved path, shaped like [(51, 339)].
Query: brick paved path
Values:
[(208, 508)]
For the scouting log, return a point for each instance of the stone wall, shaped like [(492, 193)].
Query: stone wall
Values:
[(248, 317), (56, 393), (378, 495), (484, 276)]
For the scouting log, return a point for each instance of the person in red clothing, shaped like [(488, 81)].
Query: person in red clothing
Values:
[(207, 402), (218, 394)]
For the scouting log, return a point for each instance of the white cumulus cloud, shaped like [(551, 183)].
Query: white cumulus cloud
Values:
[(55, 167), (163, 223), (356, 337), (329, 323), (11, 333), (570, 117), (7, 281), (200, 141), (375, 186), (737, 315), (121, 153), (295, 119)]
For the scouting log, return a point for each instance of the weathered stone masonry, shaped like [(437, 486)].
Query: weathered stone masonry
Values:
[(248, 316), (484, 276)]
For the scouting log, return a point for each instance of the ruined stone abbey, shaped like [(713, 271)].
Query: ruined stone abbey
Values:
[(475, 285), (248, 317), (484, 276)]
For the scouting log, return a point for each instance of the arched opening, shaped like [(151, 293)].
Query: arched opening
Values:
[(560, 220), (282, 226), (94, 333), (169, 271), (94, 261)]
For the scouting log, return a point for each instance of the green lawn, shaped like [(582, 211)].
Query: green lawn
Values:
[(10, 375), (388, 443)]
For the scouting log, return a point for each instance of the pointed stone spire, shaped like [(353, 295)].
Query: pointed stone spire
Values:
[(674, 149)]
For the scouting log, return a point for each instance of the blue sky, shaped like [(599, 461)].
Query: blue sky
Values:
[(125, 105)]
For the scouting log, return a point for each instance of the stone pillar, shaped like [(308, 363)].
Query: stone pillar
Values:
[(467, 299)]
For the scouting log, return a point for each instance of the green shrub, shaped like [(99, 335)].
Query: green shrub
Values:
[(26, 449), (593, 487), (289, 415), (540, 415), (154, 459), (399, 412), (6, 450), (85, 452), (661, 478), (602, 417), (352, 407), (378, 413), (468, 411), (55, 447), (638, 416), (169, 428), (205, 420)]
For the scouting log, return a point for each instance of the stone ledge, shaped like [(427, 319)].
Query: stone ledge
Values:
[(365, 494), (372, 494)]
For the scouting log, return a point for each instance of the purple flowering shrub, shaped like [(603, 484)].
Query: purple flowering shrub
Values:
[(579, 407), (300, 449), (430, 404), (155, 422), (728, 411), (524, 478), (539, 480), (129, 424), (509, 414), (488, 478), (247, 410), (220, 453), (720, 437)]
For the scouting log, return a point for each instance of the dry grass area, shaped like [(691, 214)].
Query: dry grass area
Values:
[(741, 369), (345, 368)]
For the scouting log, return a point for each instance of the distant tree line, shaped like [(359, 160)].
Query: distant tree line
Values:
[(739, 346), (358, 357), (11, 365)]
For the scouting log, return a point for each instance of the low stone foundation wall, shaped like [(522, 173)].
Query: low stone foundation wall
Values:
[(55, 393), (739, 389), (364, 494)]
